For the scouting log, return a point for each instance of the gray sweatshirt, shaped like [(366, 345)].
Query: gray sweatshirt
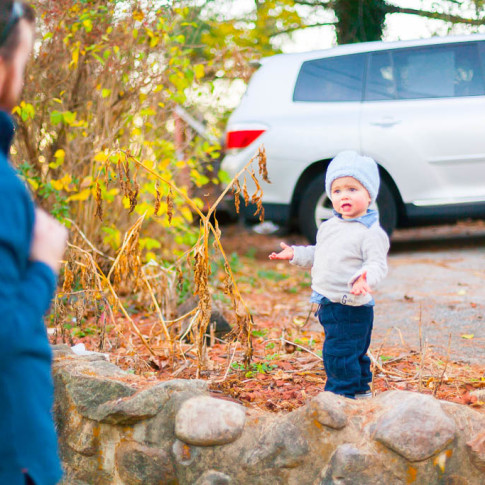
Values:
[(344, 250)]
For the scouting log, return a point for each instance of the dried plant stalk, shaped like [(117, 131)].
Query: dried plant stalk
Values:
[(99, 202), (128, 261)]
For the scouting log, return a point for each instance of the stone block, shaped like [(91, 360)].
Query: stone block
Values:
[(329, 409), (476, 450), (280, 446), (350, 465), (141, 465), (205, 421), (145, 404), (414, 425), (212, 477)]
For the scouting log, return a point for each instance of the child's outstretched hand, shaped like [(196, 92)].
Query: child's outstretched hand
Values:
[(286, 253), (360, 286)]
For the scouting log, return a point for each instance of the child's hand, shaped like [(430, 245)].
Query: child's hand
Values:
[(360, 286), (287, 253)]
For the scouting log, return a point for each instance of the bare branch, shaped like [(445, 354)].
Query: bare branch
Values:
[(455, 19), (302, 27)]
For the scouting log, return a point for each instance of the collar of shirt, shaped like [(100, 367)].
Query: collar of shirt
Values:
[(367, 219)]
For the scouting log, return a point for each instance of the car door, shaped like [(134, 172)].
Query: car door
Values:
[(423, 120)]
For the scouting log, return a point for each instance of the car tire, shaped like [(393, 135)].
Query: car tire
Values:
[(315, 207), (386, 203)]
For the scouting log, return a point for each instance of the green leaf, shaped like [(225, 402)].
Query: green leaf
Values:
[(56, 117), (150, 243), (224, 177)]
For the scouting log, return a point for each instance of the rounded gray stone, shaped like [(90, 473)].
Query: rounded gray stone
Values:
[(414, 426), (212, 477), (205, 421), (328, 409)]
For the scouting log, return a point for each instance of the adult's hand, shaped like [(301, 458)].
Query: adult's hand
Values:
[(49, 241)]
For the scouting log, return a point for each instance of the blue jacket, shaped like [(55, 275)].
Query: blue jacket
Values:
[(28, 442)]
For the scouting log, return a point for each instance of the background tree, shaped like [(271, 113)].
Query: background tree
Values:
[(353, 20), (109, 76)]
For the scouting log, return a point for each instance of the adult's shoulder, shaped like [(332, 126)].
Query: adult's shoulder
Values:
[(9, 178), (13, 189)]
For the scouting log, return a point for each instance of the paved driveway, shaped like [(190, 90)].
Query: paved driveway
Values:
[(436, 276)]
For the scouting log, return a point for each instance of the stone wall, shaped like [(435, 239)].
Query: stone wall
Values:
[(177, 432)]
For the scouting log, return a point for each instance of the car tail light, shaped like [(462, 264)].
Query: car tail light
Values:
[(241, 138)]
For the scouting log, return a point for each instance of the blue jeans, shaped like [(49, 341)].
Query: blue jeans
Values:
[(347, 338)]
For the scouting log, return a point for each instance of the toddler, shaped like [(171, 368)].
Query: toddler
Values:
[(348, 260)]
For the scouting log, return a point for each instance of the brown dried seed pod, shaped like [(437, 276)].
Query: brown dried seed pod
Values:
[(263, 171), (127, 172), (123, 184), (245, 192), (236, 190), (133, 196), (158, 200), (170, 205), (228, 288), (99, 202), (237, 203), (258, 191), (217, 230)]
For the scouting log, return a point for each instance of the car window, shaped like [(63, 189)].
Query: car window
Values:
[(380, 77), (429, 72), (481, 48), (331, 79), (432, 72)]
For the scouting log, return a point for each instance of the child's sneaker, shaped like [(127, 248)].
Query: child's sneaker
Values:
[(363, 395)]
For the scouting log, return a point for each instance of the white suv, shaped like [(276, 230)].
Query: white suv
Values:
[(416, 107)]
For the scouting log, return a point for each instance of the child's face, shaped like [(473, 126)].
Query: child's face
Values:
[(349, 197)]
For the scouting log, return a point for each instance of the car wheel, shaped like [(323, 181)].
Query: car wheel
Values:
[(316, 207), (386, 204)]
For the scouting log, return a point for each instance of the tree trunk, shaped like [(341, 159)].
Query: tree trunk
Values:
[(359, 20)]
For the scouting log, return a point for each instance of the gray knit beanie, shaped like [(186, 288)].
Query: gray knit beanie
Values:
[(351, 164)]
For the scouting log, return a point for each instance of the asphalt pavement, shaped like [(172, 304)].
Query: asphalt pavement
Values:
[(435, 288)]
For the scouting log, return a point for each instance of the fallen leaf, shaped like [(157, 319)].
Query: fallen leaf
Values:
[(299, 321), (279, 374), (468, 335)]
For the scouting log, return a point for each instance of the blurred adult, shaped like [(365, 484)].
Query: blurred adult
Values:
[(31, 247)]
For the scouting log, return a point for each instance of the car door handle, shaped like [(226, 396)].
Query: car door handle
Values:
[(385, 122)]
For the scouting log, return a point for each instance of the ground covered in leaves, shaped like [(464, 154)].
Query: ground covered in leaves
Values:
[(287, 368)]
